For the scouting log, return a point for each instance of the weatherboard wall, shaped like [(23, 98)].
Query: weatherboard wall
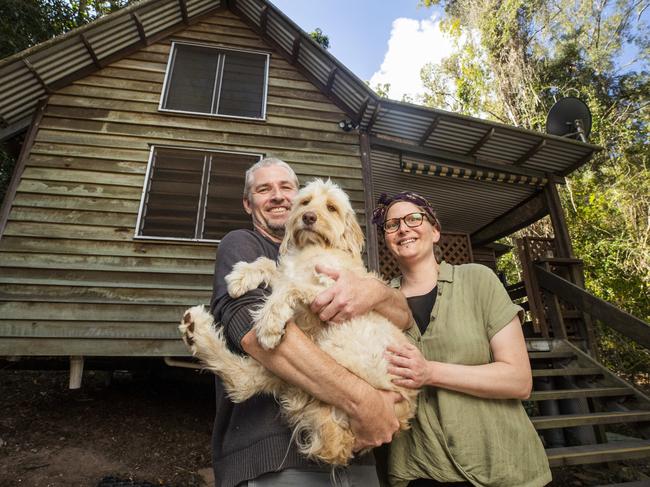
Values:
[(73, 279)]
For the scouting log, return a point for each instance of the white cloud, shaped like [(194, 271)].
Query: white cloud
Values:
[(412, 44)]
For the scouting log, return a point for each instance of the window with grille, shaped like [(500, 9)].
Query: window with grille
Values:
[(193, 194), (216, 81)]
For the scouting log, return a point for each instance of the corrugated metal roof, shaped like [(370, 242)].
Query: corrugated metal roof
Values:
[(30, 75), (463, 205), (507, 145)]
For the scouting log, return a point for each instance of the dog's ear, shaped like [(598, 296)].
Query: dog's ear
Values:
[(287, 242), (353, 238)]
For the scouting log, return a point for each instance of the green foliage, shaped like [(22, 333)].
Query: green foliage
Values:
[(381, 89), (24, 23), (513, 60), (322, 39), (89, 10), (627, 358)]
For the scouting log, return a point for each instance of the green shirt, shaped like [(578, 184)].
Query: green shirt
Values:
[(456, 437)]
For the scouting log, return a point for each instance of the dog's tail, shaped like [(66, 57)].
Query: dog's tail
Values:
[(242, 376), (321, 431)]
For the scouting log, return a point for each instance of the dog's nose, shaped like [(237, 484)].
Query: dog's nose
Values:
[(309, 218)]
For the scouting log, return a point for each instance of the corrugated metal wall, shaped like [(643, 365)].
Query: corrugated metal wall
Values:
[(69, 266)]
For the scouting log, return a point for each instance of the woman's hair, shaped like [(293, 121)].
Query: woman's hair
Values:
[(385, 202)]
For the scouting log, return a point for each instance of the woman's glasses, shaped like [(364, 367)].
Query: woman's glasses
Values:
[(411, 220)]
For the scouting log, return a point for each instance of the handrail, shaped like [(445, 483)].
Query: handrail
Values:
[(617, 319), (517, 290)]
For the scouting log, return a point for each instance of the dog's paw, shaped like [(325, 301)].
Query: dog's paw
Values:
[(241, 279), (322, 279), (194, 321), (269, 338)]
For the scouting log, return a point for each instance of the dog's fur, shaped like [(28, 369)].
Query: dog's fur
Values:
[(322, 228)]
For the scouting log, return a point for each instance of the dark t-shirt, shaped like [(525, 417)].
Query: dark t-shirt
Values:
[(421, 307)]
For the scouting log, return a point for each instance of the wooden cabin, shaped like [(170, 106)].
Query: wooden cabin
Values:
[(139, 128)]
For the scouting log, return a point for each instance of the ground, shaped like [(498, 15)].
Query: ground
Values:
[(151, 426), (145, 426)]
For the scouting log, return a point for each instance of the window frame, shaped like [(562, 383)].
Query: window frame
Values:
[(170, 65), (146, 185)]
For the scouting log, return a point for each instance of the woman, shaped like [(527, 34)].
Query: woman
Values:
[(468, 357)]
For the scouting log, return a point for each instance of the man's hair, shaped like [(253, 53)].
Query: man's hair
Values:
[(267, 161)]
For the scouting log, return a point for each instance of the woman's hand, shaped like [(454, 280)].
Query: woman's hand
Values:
[(508, 376), (409, 365)]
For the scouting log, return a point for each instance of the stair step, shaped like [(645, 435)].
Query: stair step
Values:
[(572, 314), (560, 260), (636, 483), (570, 420), (567, 371), (605, 452), (551, 355), (574, 393)]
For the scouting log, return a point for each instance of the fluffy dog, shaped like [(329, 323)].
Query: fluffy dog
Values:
[(322, 228)]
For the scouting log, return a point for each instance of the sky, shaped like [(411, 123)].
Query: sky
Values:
[(381, 41), (387, 41)]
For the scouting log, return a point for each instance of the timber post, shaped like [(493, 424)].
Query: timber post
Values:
[(565, 249), (558, 220), (372, 247)]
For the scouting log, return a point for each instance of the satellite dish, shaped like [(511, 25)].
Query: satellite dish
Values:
[(569, 117)]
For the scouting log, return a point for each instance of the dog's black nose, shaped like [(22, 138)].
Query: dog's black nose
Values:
[(309, 218)]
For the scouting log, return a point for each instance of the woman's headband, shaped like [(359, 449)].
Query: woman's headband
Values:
[(385, 202)]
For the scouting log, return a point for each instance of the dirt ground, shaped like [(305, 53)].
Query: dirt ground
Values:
[(142, 426), (147, 427)]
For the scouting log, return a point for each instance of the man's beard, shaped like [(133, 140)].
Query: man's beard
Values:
[(276, 230)]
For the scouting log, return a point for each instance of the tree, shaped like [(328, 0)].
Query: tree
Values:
[(382, 89), (513, 60), (321, 39), (24, 23)]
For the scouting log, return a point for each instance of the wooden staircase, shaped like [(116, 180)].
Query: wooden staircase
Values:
[(583, 412)]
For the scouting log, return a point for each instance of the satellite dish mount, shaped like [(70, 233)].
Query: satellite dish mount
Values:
[(570, 117)]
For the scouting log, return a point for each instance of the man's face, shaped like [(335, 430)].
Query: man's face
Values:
[(272, 192)]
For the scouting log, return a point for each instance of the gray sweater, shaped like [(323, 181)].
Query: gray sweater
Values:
[(250, 438)]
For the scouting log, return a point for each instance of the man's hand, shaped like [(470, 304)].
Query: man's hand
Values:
[(375, 422), (350, 296)]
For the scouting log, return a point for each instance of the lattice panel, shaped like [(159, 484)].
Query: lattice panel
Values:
[(388, 267), (531, 249), (537, 247), (545, 247), (453, 248)]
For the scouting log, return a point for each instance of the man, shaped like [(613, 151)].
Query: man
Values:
[(250, 439)]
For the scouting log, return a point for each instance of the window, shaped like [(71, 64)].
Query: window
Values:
[(215, 81), (193, 194)]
